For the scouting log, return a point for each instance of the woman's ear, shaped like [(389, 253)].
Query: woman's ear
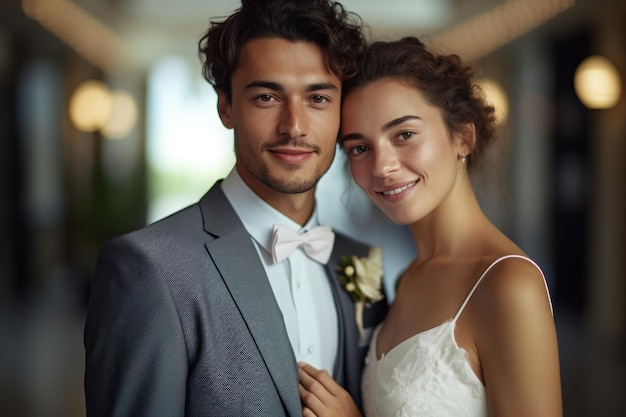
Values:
[(224, 110), (465, 139)]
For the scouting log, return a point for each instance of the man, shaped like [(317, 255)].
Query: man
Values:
[(198, 314)]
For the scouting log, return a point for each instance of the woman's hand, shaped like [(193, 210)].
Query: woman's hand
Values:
[(322, 396)]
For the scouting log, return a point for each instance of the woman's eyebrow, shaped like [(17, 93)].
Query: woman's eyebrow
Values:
[(398, 121)]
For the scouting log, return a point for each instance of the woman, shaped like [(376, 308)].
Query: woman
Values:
[(471, 330)]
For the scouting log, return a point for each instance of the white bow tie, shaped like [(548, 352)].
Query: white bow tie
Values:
[(317, 243)]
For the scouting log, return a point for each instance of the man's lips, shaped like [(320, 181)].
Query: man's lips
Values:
[(291, 155)]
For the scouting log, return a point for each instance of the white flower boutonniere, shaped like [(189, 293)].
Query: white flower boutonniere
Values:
[(362, 279)]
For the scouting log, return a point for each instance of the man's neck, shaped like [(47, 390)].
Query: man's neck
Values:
[(297, 207)]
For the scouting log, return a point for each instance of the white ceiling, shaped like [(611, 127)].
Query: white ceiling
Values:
[(162, 26), (149, 29), (430, 14)]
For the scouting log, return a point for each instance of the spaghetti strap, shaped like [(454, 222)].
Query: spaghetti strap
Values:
[(456, 316)]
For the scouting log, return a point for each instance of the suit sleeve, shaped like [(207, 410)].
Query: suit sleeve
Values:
[(136, 360)]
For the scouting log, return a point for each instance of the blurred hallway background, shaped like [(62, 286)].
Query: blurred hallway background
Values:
[(74, 172)]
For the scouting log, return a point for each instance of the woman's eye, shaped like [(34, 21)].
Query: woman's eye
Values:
[(406, 135), (358, 149)]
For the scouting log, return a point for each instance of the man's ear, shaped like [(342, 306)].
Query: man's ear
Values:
[(224, 110)]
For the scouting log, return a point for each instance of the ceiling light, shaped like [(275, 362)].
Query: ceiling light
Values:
[(597, 83)]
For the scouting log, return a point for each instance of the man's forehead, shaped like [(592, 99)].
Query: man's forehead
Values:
[(277, 60)]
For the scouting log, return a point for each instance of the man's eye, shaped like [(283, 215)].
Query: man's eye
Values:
[(265, 98), (318, 99)]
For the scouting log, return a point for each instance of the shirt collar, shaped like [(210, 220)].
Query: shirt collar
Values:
[(257, 216)]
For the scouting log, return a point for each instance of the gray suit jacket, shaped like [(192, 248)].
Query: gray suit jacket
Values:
[(182, 320)]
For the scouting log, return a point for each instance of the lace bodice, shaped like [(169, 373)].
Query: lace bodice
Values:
[(426, 375)]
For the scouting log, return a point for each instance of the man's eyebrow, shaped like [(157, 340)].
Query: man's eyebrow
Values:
[(271, 85), (322, 86)]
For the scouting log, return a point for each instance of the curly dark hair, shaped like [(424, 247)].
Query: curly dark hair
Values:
[(443, 80), (325, 23)]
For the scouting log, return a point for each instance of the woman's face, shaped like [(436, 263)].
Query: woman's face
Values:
[(399, 149)]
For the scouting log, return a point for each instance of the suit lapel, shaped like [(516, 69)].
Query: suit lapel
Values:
[(243, 273), (347, 367), (345, 307)]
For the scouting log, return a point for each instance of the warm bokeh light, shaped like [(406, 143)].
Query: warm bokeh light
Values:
[(94, 107), (122, 116), (597, 83), (90, 106), (495, 95), (80, 30)]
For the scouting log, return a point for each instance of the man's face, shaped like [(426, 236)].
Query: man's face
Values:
[(284, 110)]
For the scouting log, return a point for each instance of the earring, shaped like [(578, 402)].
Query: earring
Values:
[(463, 159)]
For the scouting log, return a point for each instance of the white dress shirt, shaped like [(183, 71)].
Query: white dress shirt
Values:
[(299, 283)]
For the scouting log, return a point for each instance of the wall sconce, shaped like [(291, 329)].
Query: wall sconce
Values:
[(122, 117), (90, 105), (94, 107), (597, 83)]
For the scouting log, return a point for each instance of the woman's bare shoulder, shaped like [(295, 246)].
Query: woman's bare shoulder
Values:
[(513, 285)]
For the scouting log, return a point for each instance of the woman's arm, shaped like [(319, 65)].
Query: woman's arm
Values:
[(516, 342)]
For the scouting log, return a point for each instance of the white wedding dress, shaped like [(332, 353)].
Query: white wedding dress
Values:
[(426, 375)]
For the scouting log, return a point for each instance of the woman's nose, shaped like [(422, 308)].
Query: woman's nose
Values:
[(385, 162)]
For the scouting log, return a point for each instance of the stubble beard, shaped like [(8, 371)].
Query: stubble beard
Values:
[(292, 185), (286, 184)]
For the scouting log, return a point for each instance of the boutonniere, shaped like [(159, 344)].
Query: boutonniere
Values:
[(362, 279)]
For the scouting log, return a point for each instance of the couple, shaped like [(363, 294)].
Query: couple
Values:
[(208, 312)]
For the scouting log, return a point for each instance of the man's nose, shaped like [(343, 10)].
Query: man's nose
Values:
[(293, 121)]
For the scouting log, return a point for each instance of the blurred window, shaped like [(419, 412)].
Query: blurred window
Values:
[(188, 148)]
